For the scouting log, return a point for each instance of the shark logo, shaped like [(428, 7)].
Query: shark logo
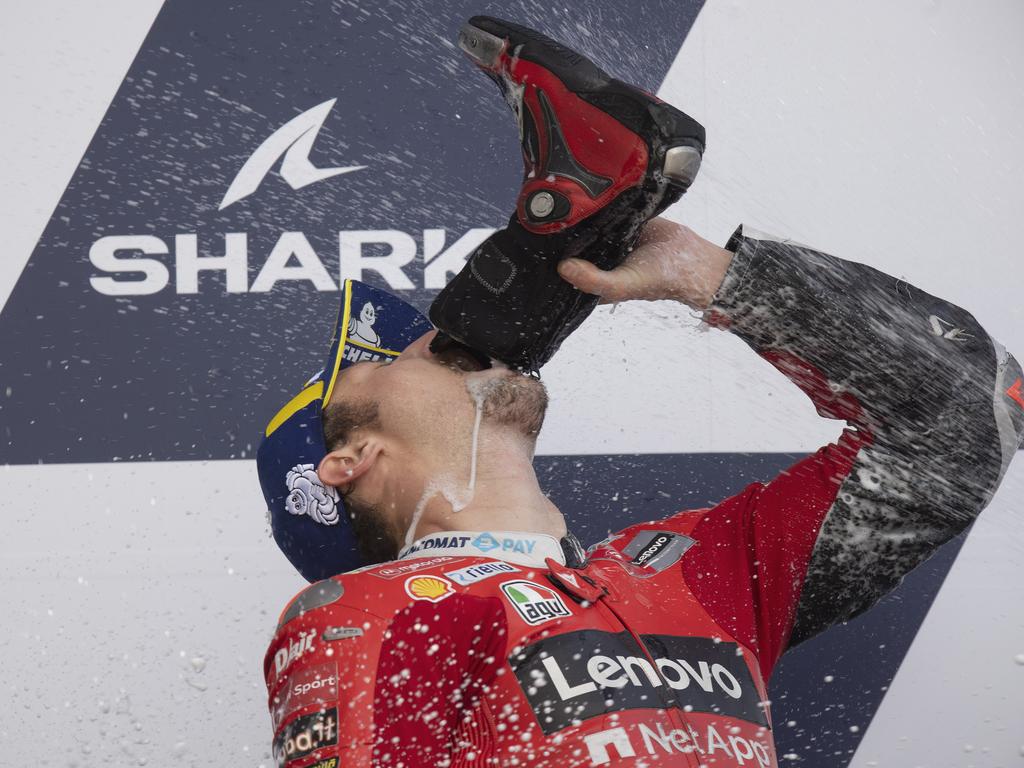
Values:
[(294, 141)]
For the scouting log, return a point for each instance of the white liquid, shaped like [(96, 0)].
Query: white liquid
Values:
[(478, 396), (428, 493), (458, 498)]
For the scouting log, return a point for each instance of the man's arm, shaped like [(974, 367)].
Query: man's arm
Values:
[(928, 393), (354, 674), (934, 406)]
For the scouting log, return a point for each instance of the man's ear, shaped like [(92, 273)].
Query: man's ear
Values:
[(346, 463)]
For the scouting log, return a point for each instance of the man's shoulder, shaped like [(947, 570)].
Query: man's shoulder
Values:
[(643, 543), (380, 591)]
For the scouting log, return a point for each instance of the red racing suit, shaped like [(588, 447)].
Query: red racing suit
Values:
[(655, 646)]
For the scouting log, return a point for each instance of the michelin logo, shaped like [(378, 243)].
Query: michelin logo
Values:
[(475, 573), (308, 496), (293, 142), (361, 328)]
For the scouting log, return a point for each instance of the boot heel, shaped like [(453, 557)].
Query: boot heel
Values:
[(482, 47), (681, 165)]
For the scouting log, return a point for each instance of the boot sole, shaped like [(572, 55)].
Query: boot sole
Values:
[(680, 162)]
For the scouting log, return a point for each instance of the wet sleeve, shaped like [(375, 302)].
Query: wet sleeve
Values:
[(935, 413), (321, 671), (368, 691)]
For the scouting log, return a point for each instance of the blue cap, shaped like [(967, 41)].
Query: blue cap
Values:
[(309, 519)]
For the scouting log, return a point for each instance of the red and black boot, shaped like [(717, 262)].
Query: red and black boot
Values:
[(602, 157)]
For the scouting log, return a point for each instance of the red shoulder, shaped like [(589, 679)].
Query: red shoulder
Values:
[(655, 545), (380, 590)]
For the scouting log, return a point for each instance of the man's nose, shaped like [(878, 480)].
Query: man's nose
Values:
[(419, 348)]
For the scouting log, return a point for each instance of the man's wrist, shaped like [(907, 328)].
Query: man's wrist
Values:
[(701, 267)]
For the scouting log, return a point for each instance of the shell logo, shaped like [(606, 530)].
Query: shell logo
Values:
[(432, 588)]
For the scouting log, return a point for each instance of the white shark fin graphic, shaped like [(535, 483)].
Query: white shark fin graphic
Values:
[(294, 140)]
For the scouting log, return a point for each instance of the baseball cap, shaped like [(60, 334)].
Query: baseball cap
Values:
[(308, 518)]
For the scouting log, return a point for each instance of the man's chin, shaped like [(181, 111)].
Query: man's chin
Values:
[(511, 399)]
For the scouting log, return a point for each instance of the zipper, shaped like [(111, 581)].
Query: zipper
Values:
[(672, 708)]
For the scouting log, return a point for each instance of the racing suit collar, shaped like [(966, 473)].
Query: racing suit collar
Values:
[(519, 547)]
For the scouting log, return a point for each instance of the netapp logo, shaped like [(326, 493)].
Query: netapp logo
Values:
[(137, 265), (659, 740), (573, 677)]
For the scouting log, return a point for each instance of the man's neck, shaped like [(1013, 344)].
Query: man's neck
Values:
[(505, 496)]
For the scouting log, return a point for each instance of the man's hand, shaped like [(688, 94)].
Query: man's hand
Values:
[(670, 262)]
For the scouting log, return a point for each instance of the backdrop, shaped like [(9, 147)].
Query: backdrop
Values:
[(166, 287)]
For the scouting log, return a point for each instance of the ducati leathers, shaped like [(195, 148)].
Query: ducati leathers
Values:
[(655, 647)]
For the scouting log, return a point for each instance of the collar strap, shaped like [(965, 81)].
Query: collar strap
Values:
[(574, 553), (512, 546)]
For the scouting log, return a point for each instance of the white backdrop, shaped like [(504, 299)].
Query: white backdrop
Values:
[(139, 597)]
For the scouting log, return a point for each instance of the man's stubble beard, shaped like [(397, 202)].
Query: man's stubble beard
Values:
[(373, 531), (517, 401)]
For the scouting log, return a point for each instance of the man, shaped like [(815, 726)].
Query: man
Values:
[(494, 639)]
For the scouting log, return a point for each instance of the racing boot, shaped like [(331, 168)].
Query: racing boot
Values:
[(601, 158)]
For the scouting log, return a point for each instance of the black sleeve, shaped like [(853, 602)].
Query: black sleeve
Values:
[(936, 401)]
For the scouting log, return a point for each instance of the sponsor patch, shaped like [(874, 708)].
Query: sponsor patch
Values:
[(475, 573), (488, 542), (341, 633), (534, 603), (657, 549), (575, 676), (296, 648), (305, 735), (657, 740), (438, 541), (308, 687), (431, 588), (308, 496), (401, 569), (314, 596)]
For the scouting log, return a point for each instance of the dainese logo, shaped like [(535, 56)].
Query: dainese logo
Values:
[(296, 648)]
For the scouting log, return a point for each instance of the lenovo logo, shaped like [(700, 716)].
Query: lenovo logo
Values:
[(572, 677), (620, 671)]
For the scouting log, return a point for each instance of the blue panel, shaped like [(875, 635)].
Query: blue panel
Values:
[(169, 376)]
